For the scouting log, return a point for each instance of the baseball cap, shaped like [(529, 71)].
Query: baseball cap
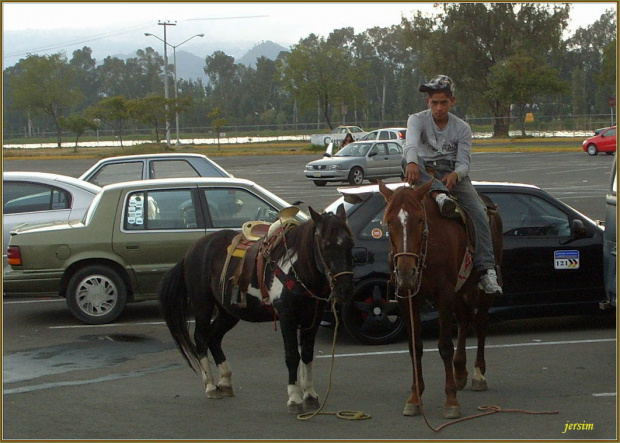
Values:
[(439, 83)]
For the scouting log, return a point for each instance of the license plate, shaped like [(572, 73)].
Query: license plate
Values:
[(317, 174)]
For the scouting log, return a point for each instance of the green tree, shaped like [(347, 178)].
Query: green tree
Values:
[(114, 112), (222, 71), (46, 85), (465, 40), (318, 75), (154, 110), (217, 122), (78, 124), (519, 80)]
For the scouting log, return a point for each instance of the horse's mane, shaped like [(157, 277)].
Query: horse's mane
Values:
[(300, 241)]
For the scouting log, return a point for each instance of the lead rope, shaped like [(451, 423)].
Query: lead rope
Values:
[(345, 415), (490, 409)]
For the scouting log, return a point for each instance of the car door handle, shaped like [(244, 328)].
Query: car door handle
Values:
[(132, 247)]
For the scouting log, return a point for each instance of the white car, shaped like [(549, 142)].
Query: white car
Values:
[(337, 135), (38, 197), (396, 134)]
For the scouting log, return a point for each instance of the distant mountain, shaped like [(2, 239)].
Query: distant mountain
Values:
[(190, 58), (266, 49)]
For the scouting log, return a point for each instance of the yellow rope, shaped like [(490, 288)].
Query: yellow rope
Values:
[(345, 415)]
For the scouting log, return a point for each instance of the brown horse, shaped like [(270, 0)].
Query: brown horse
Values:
[(427, 253)]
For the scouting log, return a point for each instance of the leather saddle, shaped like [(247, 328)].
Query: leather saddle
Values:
[(248, 253)]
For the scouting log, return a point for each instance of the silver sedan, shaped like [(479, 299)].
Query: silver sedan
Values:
[(371, 160)]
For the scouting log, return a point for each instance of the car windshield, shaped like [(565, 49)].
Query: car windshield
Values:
[(354, 150)]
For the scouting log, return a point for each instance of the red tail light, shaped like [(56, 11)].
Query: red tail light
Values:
[(14, 256)]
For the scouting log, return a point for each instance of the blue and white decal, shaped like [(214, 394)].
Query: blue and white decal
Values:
[(566, 260)]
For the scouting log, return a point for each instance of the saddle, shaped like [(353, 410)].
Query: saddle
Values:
[(251, 249), (465, 219)]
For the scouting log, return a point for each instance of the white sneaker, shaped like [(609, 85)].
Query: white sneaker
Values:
[(447, 206), (488, 282)]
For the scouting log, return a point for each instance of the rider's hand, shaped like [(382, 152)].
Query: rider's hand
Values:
[(412, 174), (450, 180)]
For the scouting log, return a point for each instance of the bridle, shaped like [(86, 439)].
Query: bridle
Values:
[(331, 277), (421, 258)]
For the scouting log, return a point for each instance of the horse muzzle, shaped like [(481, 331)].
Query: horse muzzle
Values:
[(342, 286), (406, 270)]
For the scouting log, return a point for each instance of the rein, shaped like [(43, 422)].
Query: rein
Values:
[(421, 262), (331, 277)]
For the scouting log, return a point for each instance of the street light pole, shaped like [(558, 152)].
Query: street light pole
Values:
[(176, 84)]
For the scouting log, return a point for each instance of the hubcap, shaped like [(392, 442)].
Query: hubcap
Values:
[(96, 295)]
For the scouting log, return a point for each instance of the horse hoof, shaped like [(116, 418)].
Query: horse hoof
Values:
[(452, 412), (412, 410), (214, 393), (227, 391), (460, 383), (479, 385), (295, 408), (311, 404)]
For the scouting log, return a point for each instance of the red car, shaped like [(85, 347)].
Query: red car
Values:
[(605, 142)]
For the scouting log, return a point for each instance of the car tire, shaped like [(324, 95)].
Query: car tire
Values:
[(370, 317), (96, 295), (356, 176), (320, 182), (592, 149)]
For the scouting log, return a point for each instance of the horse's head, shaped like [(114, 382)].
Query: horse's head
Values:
[(407, 224), (334, 251)]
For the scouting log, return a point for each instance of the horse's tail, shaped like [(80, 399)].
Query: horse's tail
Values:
[(174, 306)]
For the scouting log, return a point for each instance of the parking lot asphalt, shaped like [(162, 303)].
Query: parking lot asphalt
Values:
[(66, 380)]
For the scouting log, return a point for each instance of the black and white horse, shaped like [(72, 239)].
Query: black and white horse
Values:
[(312, 264)]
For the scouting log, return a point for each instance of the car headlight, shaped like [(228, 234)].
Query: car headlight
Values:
[(335, 167)]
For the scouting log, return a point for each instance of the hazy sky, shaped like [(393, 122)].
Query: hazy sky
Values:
[(284, 23)]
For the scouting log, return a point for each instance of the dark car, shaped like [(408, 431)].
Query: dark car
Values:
[(552, 260), (605, 141)]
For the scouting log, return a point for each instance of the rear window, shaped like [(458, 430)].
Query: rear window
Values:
[(20, 197)]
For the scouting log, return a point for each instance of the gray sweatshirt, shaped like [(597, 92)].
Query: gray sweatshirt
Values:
[(425, 140)]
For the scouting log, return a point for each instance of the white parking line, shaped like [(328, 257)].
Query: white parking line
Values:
[(512, 345)]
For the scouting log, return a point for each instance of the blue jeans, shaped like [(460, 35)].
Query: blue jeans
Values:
[(468, 198)]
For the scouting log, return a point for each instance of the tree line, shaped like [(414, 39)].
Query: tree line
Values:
[(506, 59)]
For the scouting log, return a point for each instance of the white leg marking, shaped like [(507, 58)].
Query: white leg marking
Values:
[(307, 385), (225, 374), (294, 395), (478, 375), (207, 376)]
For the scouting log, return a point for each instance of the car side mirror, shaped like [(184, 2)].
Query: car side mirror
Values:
[(360, 256), (578, 229), (372, 153)]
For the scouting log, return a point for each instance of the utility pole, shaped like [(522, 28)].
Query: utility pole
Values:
[(166, 95)]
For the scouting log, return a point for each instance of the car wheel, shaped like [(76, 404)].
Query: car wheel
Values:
[(356, 176), (320, 182), (96, 295), (592, 149), (370, 317)]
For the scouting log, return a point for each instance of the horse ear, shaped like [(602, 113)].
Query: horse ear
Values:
[(340, 212), (315, 215), (385, 191)]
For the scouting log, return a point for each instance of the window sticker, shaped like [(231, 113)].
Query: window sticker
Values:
[(566, 260), (377, 233)]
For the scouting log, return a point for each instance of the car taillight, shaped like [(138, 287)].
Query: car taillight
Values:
[(14, 256)]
